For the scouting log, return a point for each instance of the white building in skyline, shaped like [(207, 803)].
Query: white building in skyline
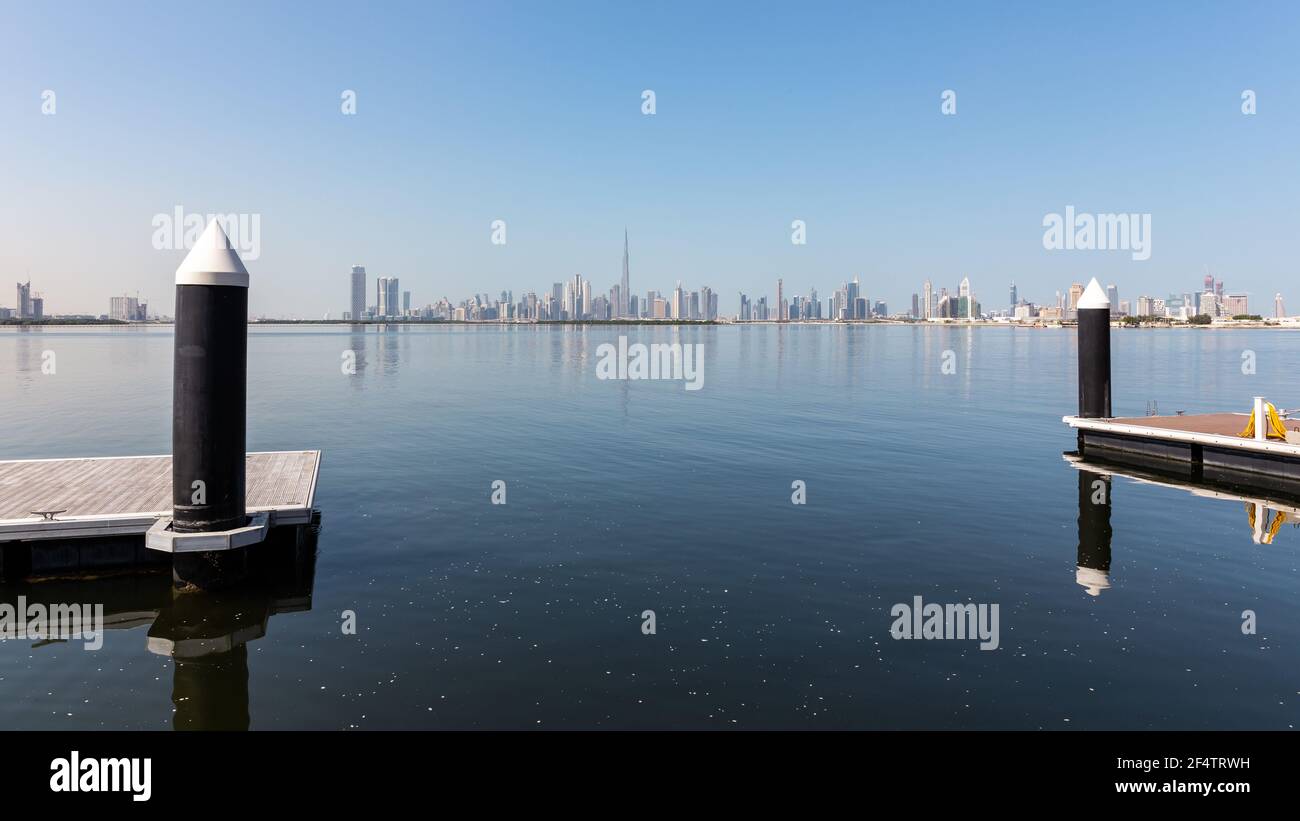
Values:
[(358, 300)]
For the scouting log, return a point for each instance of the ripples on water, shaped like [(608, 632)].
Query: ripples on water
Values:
[(627, 496)]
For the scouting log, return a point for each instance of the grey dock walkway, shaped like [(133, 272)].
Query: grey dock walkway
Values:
[(125, 495)]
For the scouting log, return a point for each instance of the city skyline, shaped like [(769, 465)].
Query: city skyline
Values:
[(573, 301), (841, 128)]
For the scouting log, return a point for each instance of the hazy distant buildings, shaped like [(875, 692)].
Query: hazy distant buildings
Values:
[(576, 300), (127, 309)]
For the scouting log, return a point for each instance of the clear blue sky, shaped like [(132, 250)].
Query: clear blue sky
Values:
[(531, 113)]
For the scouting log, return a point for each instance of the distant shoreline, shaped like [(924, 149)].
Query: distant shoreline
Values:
[(978, 323)]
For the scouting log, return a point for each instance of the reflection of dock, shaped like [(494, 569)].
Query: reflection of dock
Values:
[(205, 635), (1266, 510), (1207, 489)]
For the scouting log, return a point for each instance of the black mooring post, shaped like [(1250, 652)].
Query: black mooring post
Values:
[(1094, 353), (209, 395), (208, 408)]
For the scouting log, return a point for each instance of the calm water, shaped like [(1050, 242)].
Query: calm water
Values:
[(623, 497)]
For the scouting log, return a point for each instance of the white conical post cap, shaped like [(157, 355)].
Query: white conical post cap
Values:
[(213, 261), (1094, 297)]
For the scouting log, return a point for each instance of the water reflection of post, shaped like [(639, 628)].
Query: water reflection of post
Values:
[(207, 638), (207, 635), (1093, 570)]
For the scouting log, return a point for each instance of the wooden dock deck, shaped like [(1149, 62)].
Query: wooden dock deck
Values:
[(1218, 424), (125, 495)]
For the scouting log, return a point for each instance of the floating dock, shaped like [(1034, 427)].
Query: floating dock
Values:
[(1259, 448), (127, 495), (1209, 441)]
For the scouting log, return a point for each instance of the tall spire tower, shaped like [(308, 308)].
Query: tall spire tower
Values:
[(624, 291)]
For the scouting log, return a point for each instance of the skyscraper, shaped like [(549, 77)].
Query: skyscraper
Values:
[(1279, 310), (927, 307), (624, 289), (780, 300), (386, 297), (1015, 299), (578, 308), (358, 292), (1112, 293), (24, 305), (1076, 291)]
